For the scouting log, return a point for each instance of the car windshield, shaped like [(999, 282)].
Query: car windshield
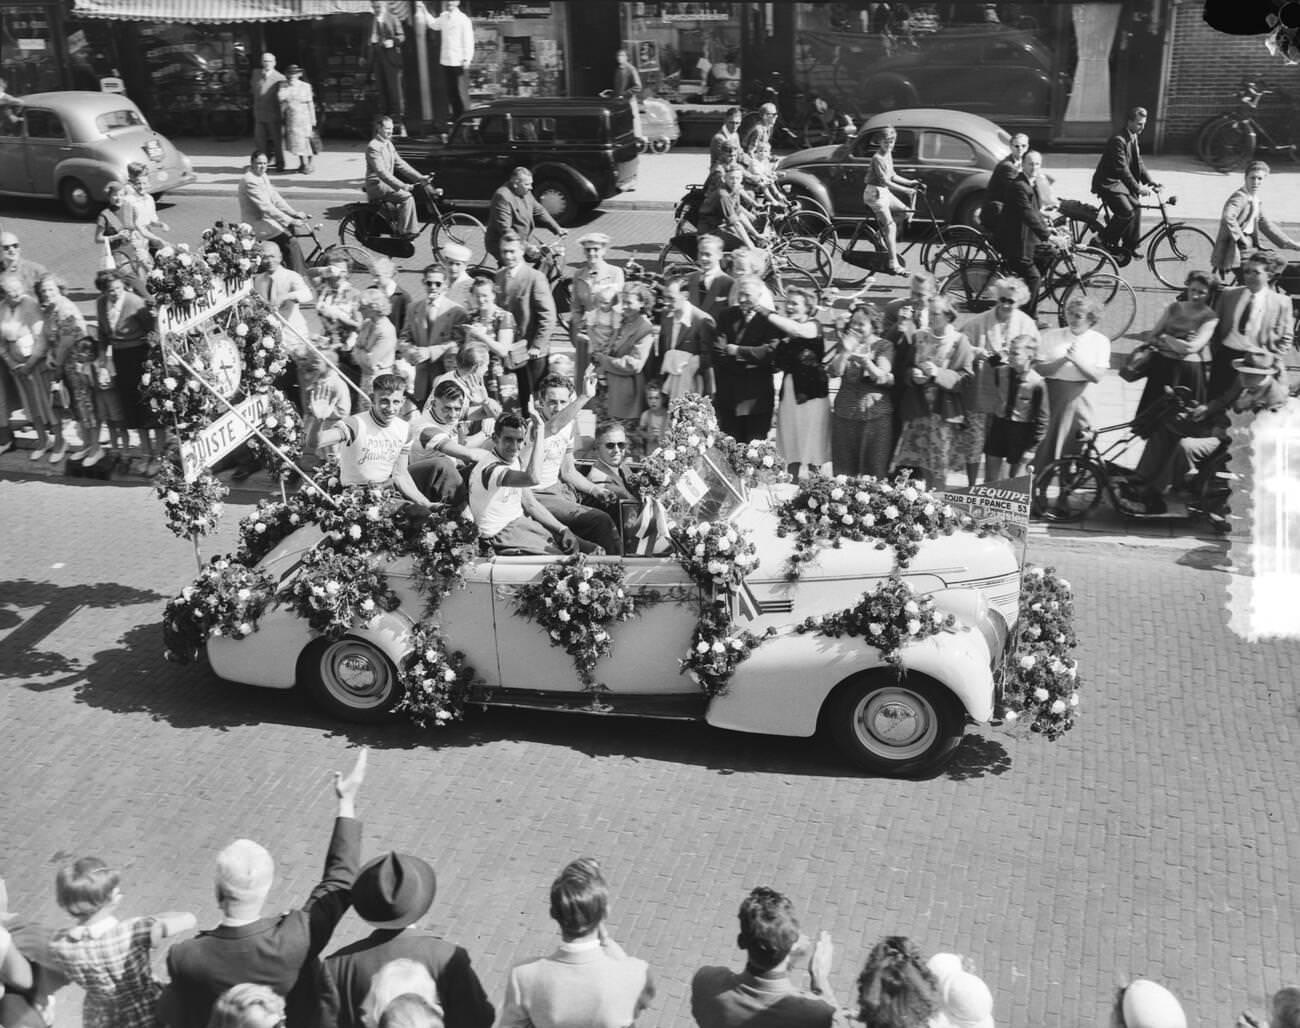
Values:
[(712, 491), (119, 119)]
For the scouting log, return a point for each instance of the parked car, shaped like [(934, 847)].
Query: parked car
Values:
[(883, 718), (952, 152), (992, 70), (70, 145), (581, 151)]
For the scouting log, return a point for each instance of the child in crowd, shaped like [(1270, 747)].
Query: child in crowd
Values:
[(1020, 422), (107, 957), (654, 419)]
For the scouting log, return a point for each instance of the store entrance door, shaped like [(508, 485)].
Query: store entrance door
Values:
[(593, 62)]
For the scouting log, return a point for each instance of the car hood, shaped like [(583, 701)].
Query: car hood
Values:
[(813, 155)]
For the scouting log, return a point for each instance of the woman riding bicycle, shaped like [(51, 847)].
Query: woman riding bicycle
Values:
[(879, 194)]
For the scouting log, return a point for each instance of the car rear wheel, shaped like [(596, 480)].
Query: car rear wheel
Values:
[(895, 724), (558, 199), (350, 678), (968, 211), (76, 199)]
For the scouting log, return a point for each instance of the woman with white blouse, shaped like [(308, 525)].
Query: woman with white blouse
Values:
[(1071, 359)]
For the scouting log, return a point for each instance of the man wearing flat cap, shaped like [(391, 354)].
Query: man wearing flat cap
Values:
[(391, 894), (279, 950), (590, 276)]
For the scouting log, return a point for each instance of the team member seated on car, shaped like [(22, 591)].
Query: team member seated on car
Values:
[(444, 451), (510, 518), (375, 445), (389, 179)]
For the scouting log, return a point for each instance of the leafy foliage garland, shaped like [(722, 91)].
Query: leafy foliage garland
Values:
[(714, 554), (226, 598), (333, 589), (192, 508), (575, 602), (434, 680), (888, 617), (718, 646), (179, 278), (230, 250), (282, 425), (1040, 681), (441, 548), (259, 339), (174, 396)]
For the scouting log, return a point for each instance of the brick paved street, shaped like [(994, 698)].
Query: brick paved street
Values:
[(1159, 838)]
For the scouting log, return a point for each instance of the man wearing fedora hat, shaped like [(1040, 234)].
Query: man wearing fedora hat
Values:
[(279, 950), (391, 893)]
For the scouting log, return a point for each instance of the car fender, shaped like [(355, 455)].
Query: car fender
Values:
[(583, 188), (94, 174), (810, 184), (389, 632), (781, 687), (269, 657)]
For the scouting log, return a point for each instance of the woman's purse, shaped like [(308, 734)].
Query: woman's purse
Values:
[(1138, 365)]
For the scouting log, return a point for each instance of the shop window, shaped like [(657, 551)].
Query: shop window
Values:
[(942, 148), (686, 52), (44, 125)]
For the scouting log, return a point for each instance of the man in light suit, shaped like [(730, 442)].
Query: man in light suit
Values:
[(431, 331), (515, 209), (525, 293), (455, 53), (1253, 318), (687, 332), (388, 179), (710, 287), (270, 214), (1120, 180), (386, 39), (1243, 222)]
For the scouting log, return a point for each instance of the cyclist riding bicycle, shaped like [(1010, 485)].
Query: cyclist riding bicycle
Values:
[(389, 180), (515, 209), (730, 212)]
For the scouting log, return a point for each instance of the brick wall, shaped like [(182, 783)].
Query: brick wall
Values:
[(1205, 72)]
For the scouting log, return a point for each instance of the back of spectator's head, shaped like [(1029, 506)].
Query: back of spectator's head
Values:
[(85, 887), (388, 383), (399, 977), (247, 1006), (1286, 1005), (411, 1011), (471, 357), (1146, 1004), (245, 871), (895, 988), (396, 889), (768, 928), (579, 898)]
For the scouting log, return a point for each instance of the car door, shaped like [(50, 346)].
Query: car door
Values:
[(943, 161), (476, 160), (645, 650), (47, 148), (13, 151)]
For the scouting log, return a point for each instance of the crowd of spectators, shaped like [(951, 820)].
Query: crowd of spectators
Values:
[(255, 969)]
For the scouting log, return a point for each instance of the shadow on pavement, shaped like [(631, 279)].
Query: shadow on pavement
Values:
[(1213, 557), (978, 756)]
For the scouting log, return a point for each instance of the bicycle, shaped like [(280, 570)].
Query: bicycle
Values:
[(1173, 248), (369, 224), (780, 275), (359, 259), (1069, 488), (1229, 142), (961, 243), (548, 258)]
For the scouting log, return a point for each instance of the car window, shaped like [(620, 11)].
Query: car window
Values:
[(493, 129), (482, 129), (904, 147), (125, 118), (945, 149), (1003, 52), (579, 128), (43, 124), (525, 129)]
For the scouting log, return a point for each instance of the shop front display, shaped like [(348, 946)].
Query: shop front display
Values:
[(29, 52), (334, 54), (198, 78), (519, 49)]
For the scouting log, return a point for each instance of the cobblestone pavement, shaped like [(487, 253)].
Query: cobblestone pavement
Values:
[(1159, 838)]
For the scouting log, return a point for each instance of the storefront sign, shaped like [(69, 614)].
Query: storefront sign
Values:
[(223, 435)]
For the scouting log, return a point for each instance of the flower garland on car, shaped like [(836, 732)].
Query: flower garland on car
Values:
[(192, 508), (575, 602), (362, 520), (826, 511), (268, 525), (179, 279), (174, 396), (888, 617), (259, 339), (229, 250), (441, 546), (333, 589), (227, 598), (716, 555), (435, 682), (282, 425), (718, 647), (1039, 680)]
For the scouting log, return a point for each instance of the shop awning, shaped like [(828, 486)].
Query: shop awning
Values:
[(208, 11)]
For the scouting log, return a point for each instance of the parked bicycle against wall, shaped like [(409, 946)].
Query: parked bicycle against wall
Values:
[(1231, 141)]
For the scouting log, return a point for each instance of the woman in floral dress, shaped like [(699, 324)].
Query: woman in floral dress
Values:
[(298, 115)]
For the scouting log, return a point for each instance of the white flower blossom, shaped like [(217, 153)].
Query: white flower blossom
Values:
[(837, 494), (847, 519), (563, 615), (890, 512), (670, 455), (913, 626), (243, 594), (768, 461), (354, 531), (911, 606), (910, 494), (367, 604), (875, 628), (704, 527), (1074, 699), (801, 517), (332, 587), (702, 646), (186, 260), (227, 238), (169, 383), (1027, 661), (868, 520), (187, 593), (259, 528), (812, 503), (1058, 707), (1010, 716), (187, 293), (699, 550), (718, 647), (173, 496), (372, 513), (448, 675), (716, 567), (723, 544), (444, 715), (166, 252), (146, 378), (1041, 694)]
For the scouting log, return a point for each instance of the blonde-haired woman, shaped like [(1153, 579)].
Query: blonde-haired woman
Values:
[(400, 977), (1071, 359), (880, 197), (247, 1006), (376, 348)]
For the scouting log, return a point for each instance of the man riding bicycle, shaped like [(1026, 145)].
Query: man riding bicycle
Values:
[(389, 180), (515, 209)]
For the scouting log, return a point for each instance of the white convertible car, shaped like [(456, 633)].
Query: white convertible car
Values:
[(793, 684)]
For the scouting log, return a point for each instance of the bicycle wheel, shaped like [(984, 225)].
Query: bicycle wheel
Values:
[(1067, 489), (864, 252), (1231, 145), (461, 228), (781, 278), (1203, 134), (361, 224), (958, 253), (1176, 250), (804, 224), (1117, 299), (807, 254), (360, 260), (672, 255), (954, 236), (1080, 262), (970, 287)]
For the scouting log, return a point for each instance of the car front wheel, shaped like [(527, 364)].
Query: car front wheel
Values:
[(350, 678), (558, 199), (968, 211), (76, 199), (895, 724)]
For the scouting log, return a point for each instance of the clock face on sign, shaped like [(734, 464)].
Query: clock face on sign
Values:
[(226, 365)]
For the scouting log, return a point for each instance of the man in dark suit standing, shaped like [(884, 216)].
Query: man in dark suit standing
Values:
[(280, 950), (1023, 226), (524, 292), (391, 894), (1121, 180), (995, 199), (386, 39), (742, 366), (431, 332), (515, 209)]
